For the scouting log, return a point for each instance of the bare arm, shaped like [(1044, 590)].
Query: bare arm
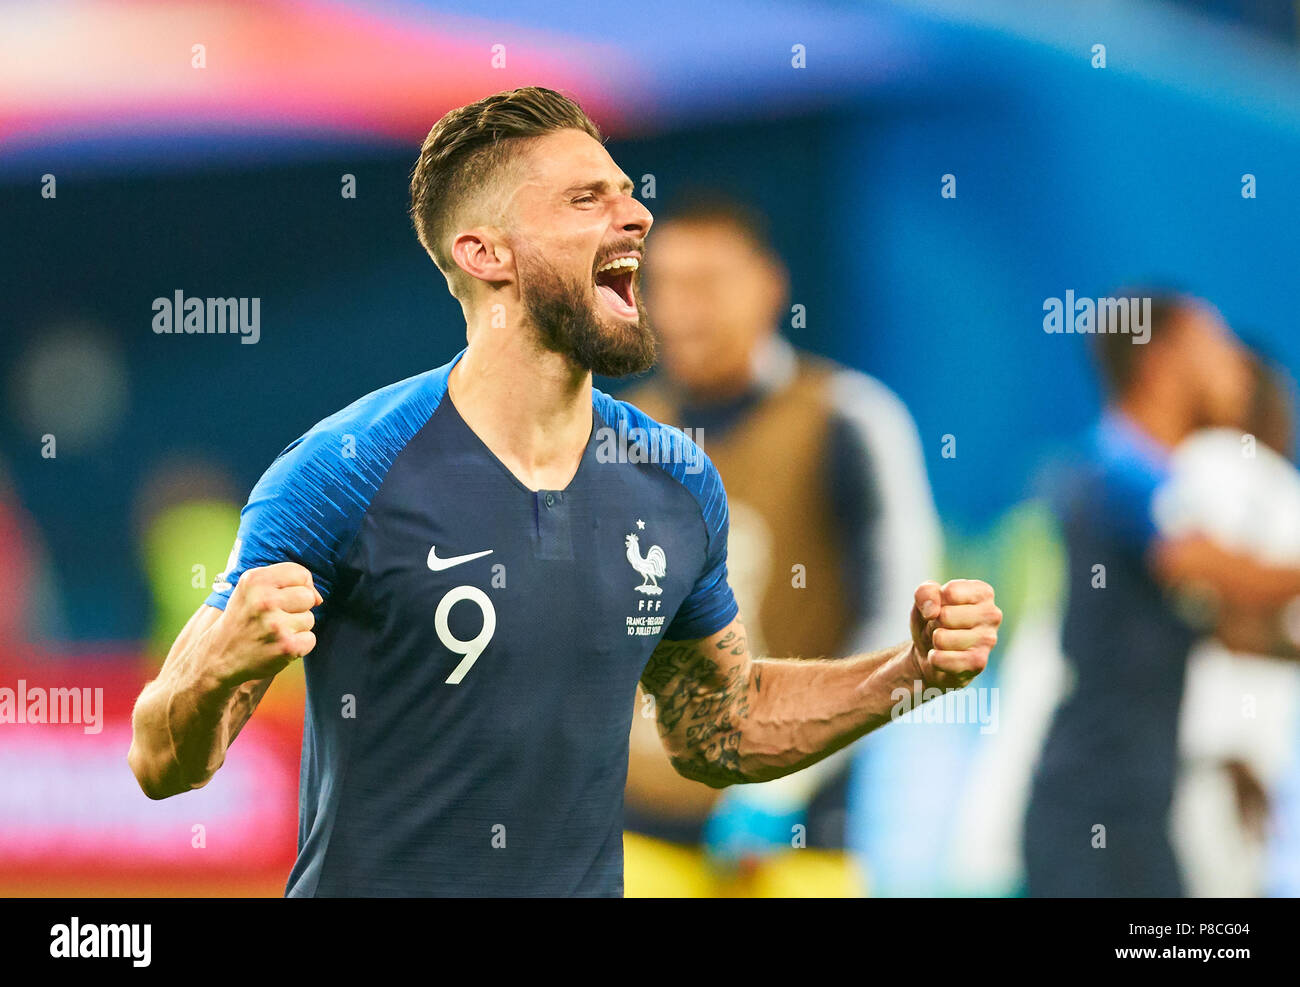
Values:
[(653, 784), (1234, 577), (1252, 633), (186, 718), (726, 717), (1247, 596), (216, 673)]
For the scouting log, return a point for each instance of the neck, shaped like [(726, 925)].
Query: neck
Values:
[(529, 406), (719, 392), (757, 368)]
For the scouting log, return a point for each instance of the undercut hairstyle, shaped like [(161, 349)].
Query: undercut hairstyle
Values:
[(715, 207), (1116, 354), (470, 148)]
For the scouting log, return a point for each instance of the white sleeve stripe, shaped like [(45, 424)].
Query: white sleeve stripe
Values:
[(906, 535)]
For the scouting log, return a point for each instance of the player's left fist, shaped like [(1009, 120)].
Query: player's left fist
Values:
[(954, 627)]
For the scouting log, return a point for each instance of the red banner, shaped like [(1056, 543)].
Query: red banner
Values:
[(73, 820)]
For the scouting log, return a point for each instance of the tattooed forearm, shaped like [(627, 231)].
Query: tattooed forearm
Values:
[(726, 717), (713, 732), (703, 692)]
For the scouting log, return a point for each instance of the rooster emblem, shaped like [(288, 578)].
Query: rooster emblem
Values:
[(651, 568)]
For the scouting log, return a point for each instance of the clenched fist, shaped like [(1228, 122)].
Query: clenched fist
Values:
[(267, 622), (954, 627)]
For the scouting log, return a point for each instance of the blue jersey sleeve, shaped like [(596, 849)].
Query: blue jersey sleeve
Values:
[(308, 506), (304, 509), (710, 606)]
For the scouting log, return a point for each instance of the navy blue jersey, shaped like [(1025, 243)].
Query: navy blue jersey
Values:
[(1110, 756), (470, 694)]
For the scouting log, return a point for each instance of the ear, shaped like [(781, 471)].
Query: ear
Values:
[(482, 254)]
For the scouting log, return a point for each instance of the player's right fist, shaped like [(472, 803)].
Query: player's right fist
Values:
[(267, 622)]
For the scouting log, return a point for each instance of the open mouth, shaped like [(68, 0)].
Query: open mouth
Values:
[(614, 283)]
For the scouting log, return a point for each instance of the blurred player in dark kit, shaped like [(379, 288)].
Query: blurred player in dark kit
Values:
[(1098, 818)]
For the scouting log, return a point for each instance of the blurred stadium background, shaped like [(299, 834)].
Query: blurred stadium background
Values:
[(226, 181)]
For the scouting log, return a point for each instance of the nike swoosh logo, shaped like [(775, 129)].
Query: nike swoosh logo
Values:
[(437, 564)]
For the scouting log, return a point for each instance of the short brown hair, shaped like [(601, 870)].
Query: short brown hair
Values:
[(715, 207), (470, 145)]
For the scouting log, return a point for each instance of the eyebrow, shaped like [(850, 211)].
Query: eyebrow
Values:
[(601, 186)]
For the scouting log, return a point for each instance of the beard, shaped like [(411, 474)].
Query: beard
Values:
[(566, 320)]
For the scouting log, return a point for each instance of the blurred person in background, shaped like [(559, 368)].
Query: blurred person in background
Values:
[(822, 546), (29, 608), (17, 564), (1098, 819), (1239, 714), (185, 510)]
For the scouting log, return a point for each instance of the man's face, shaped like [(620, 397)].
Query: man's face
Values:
[(1214, 363), (716, 296), (578, 236)]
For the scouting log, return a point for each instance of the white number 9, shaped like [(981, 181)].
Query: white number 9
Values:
[(469, 649)]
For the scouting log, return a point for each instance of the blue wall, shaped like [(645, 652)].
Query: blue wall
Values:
[(1067, 177), (1084, 179)]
